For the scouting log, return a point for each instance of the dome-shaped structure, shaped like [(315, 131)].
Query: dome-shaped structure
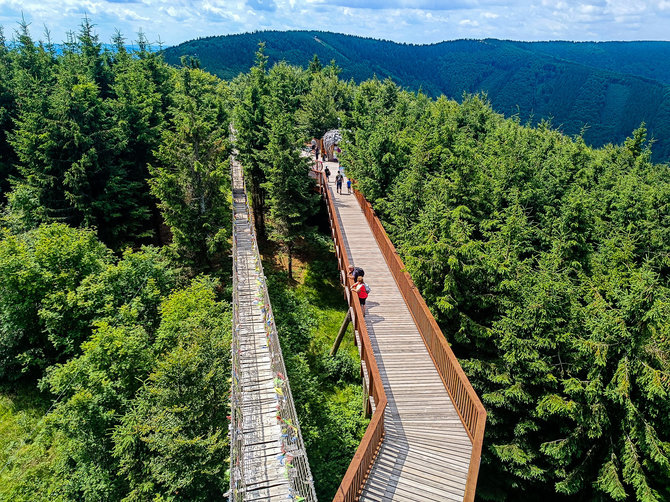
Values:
[(330, 140)]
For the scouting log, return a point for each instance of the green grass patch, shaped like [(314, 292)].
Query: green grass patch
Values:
[(25, 462)]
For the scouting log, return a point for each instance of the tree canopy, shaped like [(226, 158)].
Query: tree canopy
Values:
[(545, 262), (601, 90)]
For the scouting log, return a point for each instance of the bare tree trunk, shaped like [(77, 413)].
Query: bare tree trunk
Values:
[(258, 203)]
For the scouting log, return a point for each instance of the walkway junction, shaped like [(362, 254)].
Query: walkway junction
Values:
[(424, 439)]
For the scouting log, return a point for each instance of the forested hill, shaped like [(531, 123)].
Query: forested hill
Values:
[(644, 59), (573, 84)]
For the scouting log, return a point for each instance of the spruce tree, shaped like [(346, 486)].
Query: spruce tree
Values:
[(322, 106), (291, 198), (138, 108), (251, 136), (7, 114), (71, 143), (191, 177)]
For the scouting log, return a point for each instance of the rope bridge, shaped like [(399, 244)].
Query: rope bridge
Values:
[(267, 455)]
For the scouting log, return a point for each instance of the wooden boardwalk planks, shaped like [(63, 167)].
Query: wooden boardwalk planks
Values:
[(426, 451)]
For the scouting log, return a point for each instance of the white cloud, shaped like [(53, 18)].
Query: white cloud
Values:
[(418, 21), (589, 9), (132, 15)]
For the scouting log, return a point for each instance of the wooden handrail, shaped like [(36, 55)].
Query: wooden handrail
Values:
[(468, 405), (352, 483)]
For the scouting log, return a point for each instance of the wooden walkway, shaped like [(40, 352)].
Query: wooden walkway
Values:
[(425, 455), (267, 454)]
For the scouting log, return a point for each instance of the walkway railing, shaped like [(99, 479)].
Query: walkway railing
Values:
[(354, 479), (294, 456), (470, 409)]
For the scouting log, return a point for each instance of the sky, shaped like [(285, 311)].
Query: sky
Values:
[(415, 21)]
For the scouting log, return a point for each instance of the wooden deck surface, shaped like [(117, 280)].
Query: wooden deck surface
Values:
[(425, 454)]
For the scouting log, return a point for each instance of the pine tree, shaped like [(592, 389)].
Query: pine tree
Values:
[(291, 199), (252, 136), (191, 178)]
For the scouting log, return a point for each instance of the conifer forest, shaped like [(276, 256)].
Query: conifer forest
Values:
[(546, 263)]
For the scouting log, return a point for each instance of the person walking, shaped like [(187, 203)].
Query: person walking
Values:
[(348, 186), (338, 182), (361, 289), (327, 172)]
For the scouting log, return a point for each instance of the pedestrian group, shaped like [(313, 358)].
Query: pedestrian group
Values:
[(356, 273)]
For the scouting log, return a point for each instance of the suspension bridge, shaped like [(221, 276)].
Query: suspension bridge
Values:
[(267, 454)]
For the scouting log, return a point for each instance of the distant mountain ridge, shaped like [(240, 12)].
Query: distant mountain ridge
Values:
[(649, 59), (601, 89)]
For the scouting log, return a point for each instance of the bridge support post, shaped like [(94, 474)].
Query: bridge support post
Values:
[(367, 405), (340, 334)]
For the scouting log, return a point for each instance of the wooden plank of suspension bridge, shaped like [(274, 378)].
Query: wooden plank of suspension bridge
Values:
[(426, 451)]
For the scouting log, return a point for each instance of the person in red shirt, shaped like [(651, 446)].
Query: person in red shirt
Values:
[(360, 289)]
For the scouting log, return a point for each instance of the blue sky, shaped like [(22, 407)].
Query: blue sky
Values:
[(417, 21)]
